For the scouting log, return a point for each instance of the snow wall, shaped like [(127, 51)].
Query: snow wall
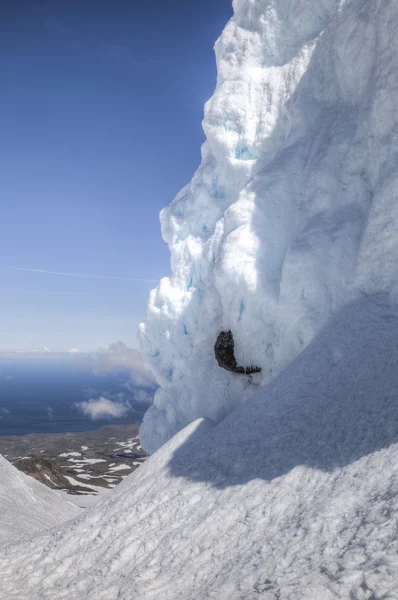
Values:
[(293, 211)]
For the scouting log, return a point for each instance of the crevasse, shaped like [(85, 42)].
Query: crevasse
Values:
[(293, 210)]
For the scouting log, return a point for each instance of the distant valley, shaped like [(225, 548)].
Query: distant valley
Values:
[(82, 465)]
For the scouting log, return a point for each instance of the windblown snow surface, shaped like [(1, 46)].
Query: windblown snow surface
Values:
[(287, 236), (28, 507), (293, 496)]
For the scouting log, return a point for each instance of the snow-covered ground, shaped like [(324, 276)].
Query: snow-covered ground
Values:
[(66, 454), (294, 495), (121, 467), (27, 507)]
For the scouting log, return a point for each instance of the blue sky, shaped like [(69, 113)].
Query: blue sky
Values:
[(100, 124)]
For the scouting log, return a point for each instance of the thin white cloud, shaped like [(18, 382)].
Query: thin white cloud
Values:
[(81, 275), (103, 407), (116, 357), (143, 397)]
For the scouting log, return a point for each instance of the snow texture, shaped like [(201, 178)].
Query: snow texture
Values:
[(293, 211), (27, 506), (294, 495)]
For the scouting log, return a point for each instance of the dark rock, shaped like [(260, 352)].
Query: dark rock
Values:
[(43, 469), (224, 351)]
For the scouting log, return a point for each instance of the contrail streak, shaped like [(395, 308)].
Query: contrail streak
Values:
[(81, 275)]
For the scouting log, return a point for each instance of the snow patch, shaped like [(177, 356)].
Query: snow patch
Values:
[(65, 454), (122, 467), (86, 461)]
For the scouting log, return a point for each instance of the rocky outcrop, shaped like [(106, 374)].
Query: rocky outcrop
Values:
[(44, 470), (224, 350)]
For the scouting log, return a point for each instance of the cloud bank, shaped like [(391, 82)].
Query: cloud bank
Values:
[(103, 407), (118, 357)]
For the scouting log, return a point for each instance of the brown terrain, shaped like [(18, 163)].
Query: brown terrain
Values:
[(84, 463)]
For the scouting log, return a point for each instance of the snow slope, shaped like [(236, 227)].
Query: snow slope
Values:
[(28, 507), (293, 211), (294, 495)]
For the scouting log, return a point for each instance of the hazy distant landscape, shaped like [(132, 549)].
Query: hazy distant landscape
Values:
[(41, 394)]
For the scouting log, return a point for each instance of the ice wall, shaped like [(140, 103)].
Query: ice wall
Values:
[(293, 211)]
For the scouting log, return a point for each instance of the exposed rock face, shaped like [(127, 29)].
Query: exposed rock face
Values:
[(224, 351), (44, 470), (225, 355)]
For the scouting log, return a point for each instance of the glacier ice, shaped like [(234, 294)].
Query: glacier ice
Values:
[(293, 211)]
